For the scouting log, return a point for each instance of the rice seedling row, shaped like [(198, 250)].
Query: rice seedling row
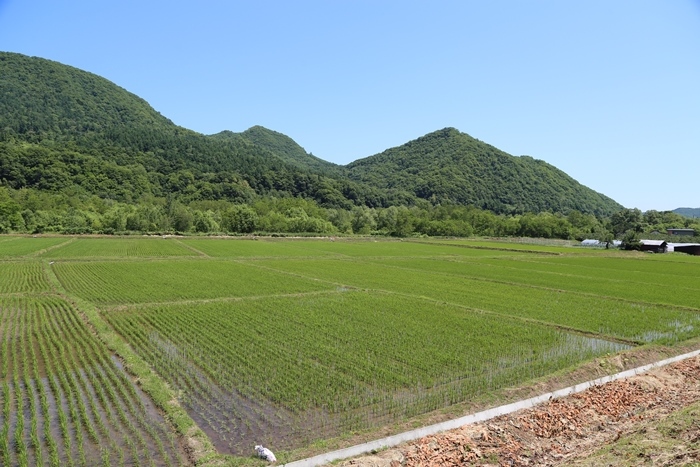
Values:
[(611, 265), (350, 356), (51, 445), (613, 269), (110, 283), (22, 277), (133, 401), (643, 289), (87, 247), (14, 247), (127, 390), (71, 373), (215, 410), (71, 404), (441, 281)]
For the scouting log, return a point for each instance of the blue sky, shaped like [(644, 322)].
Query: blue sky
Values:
[(607, 91)]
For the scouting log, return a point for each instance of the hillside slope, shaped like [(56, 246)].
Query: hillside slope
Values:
[(62, 128), (288, 150), (42, 98), (688, 212), (448, 165)]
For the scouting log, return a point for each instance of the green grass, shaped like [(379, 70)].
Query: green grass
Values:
[(671, 441)]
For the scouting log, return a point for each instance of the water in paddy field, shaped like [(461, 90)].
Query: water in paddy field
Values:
[(676, 329), (115, 444), (583, 346), (235, 423)]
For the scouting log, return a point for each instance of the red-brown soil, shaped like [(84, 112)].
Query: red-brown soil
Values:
[(650, 419)]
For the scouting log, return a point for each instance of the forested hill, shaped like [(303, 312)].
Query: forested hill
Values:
[(688, 212), (42, 99), (448, 165), (64, 130), (288, 150)]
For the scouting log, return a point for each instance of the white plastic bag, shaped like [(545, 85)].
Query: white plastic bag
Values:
[(265, 453)]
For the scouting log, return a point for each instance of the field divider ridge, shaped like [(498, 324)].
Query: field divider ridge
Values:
[(53, 247), (191, 248), (199, 301), (481, 247), (296, 274)]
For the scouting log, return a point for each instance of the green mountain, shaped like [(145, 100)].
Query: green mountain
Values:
[(288, 150), (688, 212), (64, 130), (41, 98), (447, 165)]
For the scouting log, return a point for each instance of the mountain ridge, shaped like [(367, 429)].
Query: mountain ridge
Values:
[(688, 212), (87, 131), (433, 166)]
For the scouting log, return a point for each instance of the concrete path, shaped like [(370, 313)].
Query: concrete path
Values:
[(397, 439)]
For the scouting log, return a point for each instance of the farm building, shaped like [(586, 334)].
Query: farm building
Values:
[(689, 248), (593, 242), (653, 246), (688, 232)]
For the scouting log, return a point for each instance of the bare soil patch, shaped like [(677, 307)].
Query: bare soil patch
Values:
[(650, 419)]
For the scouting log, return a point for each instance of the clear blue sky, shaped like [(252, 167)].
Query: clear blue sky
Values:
[(607, 91)]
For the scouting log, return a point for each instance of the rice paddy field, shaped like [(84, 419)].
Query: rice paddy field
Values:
[(289, 342)]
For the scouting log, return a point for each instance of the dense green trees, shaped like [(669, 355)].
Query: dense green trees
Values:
[(29, 210), (450, 166), (10, 216), (64, 128)]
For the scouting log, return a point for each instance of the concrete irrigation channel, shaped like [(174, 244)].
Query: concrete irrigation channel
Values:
[(418, 433)]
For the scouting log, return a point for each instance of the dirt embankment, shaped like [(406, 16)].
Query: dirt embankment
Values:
[(649, 419)]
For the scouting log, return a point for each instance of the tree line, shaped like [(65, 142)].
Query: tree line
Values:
[(69, 212)]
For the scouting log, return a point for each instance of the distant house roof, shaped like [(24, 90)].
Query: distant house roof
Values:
[(653, 242), (690, 232), (654, 246)]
